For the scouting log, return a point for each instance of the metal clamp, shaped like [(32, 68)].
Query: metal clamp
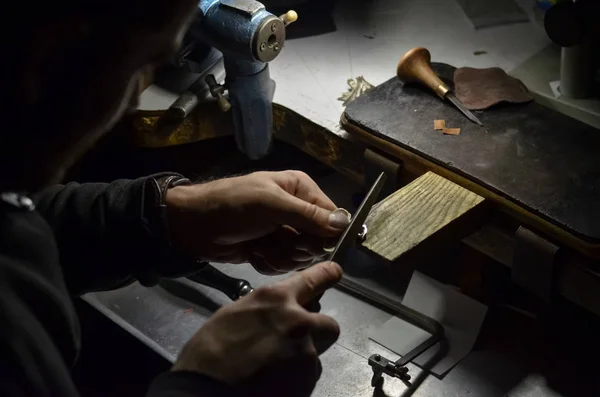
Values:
[(382, 365)]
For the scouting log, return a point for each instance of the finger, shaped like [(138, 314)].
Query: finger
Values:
[(324, 332), (301, 256), (311, 244), (275, 267), (307, 217), (233, 253), (288, 265), (259, 263), (305, 188), (221, 250), (308, 284), (235, 259), (319, 369), (278, 252), (313, 306)]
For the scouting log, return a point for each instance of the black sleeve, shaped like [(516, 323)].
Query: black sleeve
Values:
[(39, 332), (103, 234), (190, 384)]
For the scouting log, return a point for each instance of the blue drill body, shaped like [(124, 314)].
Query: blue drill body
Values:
[(249, 37)]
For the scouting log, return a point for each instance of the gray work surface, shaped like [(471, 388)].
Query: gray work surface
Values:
[(166, 322), (311, 74)]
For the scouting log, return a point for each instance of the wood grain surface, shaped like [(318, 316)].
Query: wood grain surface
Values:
[(416, 213)]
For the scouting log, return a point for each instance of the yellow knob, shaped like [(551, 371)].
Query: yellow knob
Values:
[(223, 104), (289, 17)]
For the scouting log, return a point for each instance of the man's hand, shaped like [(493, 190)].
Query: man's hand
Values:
[(267, 342), (275, 220)]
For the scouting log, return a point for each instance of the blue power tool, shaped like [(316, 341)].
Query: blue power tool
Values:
[(242, 36)]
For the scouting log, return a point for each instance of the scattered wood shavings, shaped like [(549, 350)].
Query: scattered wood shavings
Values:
[(451, 131), (439, 124)]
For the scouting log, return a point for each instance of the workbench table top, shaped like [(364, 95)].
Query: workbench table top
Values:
[(311, 74), (542, 160)]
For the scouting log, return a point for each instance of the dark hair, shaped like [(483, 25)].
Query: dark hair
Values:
[(32, 101)]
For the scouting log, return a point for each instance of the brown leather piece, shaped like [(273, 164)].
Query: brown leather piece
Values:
[(451, 131), (480, 89)]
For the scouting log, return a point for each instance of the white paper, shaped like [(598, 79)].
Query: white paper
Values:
[(460, 316), (555, 87)]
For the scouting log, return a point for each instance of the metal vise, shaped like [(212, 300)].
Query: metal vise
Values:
[(247, 37)]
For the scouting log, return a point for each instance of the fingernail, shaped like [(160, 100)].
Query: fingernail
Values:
[(329, 245), (339, 218)]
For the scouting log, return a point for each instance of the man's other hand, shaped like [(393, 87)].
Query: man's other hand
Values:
[(277, 221), (267, 343)]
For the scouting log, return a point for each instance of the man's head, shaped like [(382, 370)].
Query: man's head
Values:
[(70, 73)]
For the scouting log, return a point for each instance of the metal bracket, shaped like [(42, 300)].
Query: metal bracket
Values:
[(375, 164), (533, 263), (382, 365)]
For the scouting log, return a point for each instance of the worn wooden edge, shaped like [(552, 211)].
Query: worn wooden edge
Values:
[(439, 204), (418, 165), (341, 154), (153, 129)]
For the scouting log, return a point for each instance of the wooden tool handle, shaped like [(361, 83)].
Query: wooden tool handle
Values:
[(415, 67)]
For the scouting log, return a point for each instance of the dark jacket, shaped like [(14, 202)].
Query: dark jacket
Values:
[(79, 238)]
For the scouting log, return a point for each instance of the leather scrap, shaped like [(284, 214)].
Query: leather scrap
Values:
[(439, 124), (451, 131), (480, 89)]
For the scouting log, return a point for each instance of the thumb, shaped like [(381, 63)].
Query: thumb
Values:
[(310, 218)]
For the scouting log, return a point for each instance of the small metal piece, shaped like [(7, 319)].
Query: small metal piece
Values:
[(184, 105), (249, 7), (180, 59), (362, 235), (349, 236), (271, 33), (358, 87), (217, 90), (245, 290), (459, 105), (234, 288)]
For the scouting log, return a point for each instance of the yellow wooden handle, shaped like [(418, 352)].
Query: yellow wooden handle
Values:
[(415, 67)]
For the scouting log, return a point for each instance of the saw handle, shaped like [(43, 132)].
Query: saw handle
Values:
[(415, 67)]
